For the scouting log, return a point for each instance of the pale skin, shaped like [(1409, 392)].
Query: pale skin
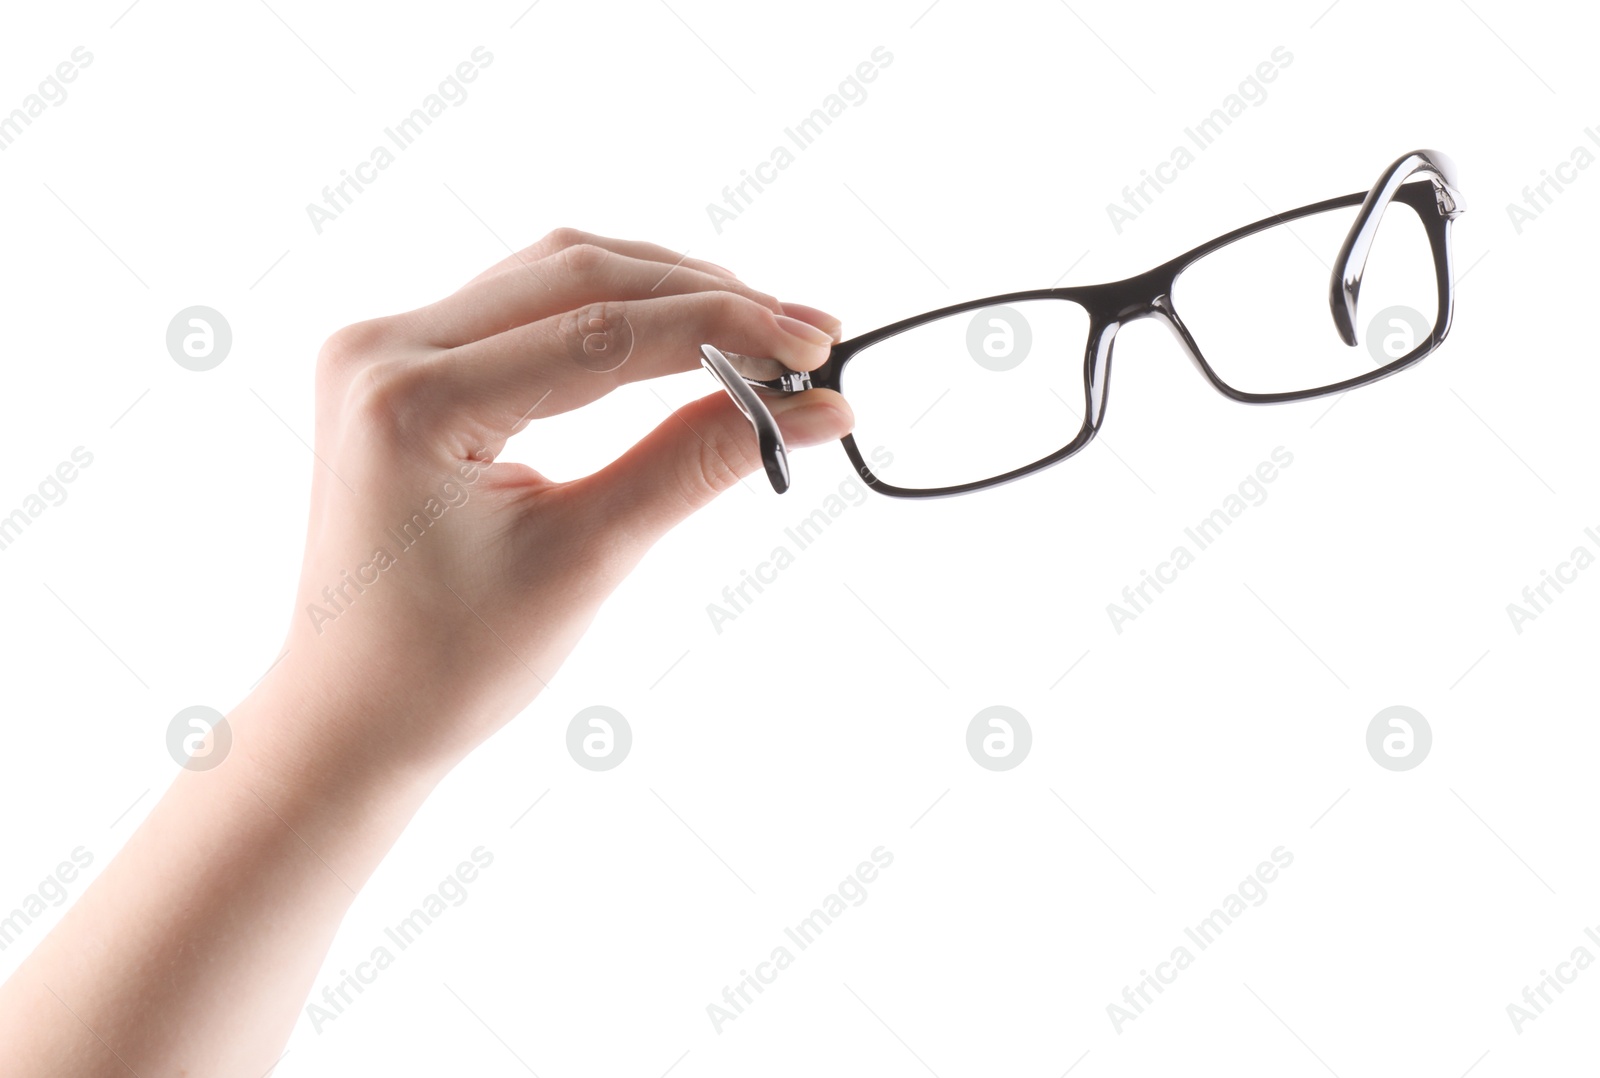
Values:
[(194, 951)]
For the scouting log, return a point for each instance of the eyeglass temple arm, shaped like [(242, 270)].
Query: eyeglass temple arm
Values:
[(1352, 261), (737, 384)]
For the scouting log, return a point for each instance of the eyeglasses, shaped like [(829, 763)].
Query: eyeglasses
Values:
[(984, 392)]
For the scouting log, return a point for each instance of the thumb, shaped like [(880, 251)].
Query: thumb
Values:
[(704, 448)]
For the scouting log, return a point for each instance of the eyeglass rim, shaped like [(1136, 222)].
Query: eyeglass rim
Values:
[(1111, 304)]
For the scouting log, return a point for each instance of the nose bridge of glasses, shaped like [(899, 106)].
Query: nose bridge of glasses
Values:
[(1099, 372), (1133, 298), (1169, 317), (1148, 295)]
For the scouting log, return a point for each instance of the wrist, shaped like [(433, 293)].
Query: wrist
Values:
[(332, 763)]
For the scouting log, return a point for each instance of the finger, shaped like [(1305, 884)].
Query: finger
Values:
[(571, 278), (701, 450), (562, 238), (565, 362), (821, 319)]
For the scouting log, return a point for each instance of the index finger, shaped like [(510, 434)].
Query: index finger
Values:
[(561, 238)]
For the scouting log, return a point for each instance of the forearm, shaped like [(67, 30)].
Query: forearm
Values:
[(195, 949)]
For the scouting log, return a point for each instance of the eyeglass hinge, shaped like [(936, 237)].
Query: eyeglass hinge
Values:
[(1449, 205)]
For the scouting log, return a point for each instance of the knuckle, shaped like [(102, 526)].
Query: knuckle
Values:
[(725, 306), (584, 259), (754, 297), (559, 239), (387, 396), (355, 344), (597, 336)]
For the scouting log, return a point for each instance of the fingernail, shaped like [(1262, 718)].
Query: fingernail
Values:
[(724, 269), (804, 331)]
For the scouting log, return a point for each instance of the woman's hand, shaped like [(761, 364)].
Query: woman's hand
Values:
[(434, 574), (440, 590)]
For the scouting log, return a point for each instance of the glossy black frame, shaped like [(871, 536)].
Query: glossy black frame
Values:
[(1114, 304)]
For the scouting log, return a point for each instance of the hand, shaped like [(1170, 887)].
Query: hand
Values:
[(440, 591), (451, 586)]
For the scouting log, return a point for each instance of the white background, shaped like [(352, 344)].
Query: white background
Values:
[(771, 758)]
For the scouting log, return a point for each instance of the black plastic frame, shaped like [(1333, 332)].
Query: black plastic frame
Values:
[(774, 453), (1114, 304)]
